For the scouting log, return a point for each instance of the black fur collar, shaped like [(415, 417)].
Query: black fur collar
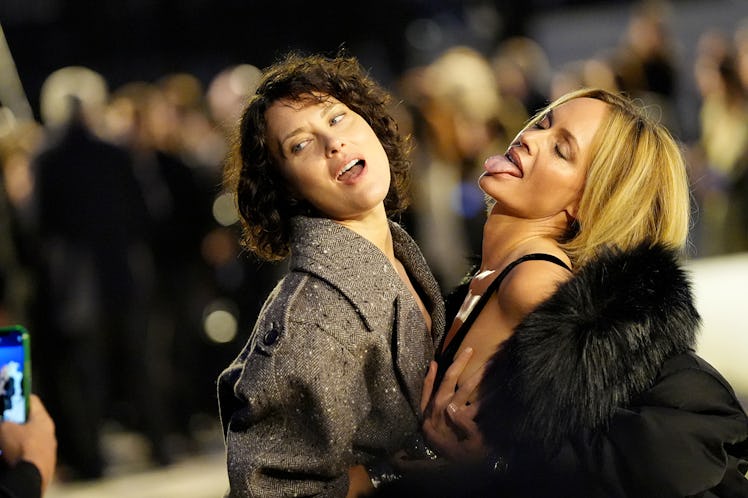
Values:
[(592, 346)]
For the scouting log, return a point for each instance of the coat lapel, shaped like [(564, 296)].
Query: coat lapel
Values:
[(369, 281)]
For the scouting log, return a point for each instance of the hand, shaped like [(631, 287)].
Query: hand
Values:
[(449, 424), (359, 483), (34, 441)]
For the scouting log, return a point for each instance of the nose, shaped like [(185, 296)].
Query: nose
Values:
[(529, 138), (333, 145)]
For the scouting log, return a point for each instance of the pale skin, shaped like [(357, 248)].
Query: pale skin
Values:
[(34, 441), (537, 186), (333, 159)]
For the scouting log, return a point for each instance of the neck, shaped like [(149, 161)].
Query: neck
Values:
[(506, 238), (375, 228)]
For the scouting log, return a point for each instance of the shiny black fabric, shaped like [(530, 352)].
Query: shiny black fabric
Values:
[(600, 394)]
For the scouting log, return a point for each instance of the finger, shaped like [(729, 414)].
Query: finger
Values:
[(447, 387), (464, 420), (463, 417), (428, 386), (468, 388), (35, 405)]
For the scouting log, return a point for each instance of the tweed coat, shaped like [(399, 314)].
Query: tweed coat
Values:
[(332, 373)]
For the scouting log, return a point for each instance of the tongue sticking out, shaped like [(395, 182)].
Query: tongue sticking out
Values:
[(352, 173), (499, 164)]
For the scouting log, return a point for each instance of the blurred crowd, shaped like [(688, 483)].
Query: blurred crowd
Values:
[(120, 253), (466, 104)]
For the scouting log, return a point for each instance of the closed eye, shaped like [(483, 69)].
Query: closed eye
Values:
[(560, 154), (545, 123)]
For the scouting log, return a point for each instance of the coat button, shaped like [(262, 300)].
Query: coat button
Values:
[(270, 337)]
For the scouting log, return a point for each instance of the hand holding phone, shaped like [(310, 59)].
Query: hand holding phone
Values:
[(15, 374)]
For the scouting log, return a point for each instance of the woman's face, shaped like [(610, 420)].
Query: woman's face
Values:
[(543, 172), (330, 156)]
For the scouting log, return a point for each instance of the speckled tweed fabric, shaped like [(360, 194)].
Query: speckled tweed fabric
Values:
[(332, 373)]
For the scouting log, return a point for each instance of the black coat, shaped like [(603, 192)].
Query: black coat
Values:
[(599, 394)]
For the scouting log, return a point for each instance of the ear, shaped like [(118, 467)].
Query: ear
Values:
[(571, 212), (570, 218)]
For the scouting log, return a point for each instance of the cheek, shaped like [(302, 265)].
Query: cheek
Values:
[(298, 181), (569, 179)]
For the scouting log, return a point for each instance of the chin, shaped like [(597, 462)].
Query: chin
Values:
[(490, 198)]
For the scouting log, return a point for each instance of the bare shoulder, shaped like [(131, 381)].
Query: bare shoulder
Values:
[(529, 284)]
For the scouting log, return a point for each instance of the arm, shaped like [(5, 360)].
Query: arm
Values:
[(450, 410), (675, 440), (294, 433), (448, 424), (682, 437)]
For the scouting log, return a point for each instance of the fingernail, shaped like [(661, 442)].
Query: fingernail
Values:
[(452, 408)]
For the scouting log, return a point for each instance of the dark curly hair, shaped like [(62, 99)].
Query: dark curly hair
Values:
[(251, 172)]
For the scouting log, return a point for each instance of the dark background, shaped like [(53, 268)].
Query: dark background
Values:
[(128, 40)]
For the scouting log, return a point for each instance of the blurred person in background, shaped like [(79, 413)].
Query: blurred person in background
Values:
[(28, 452), (18, 142), (89, 314), (645, 62), (228, 92), (240, 276), (595, 72), (523, 74), (460, 116), (741, 51), (148, 120), (720, 155)]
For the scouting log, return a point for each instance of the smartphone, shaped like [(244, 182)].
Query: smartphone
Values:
[(15, 374)]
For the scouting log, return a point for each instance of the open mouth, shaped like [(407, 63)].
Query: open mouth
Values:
[(508, 163), (351, 170)]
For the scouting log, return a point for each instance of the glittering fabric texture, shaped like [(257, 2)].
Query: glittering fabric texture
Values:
[(332, 373)]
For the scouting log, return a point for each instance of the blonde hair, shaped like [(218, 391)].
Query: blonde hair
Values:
[(636, 189)]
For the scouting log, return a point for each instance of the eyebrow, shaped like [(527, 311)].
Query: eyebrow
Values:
[(326, 106)]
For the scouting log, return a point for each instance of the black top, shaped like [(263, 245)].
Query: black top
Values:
[(445, 356), (21, 481), (599, 394)]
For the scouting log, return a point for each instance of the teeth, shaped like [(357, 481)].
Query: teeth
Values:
[(349, 166)]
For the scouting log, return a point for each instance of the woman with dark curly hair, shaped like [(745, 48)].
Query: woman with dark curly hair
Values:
[(330, 380)]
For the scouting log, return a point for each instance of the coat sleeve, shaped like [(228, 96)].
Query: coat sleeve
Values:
[(684, 436), (290, 421)]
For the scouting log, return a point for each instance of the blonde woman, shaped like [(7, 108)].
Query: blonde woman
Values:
[(579, 325)]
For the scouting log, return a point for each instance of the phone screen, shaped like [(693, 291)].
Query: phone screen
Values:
[(14, 374)]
